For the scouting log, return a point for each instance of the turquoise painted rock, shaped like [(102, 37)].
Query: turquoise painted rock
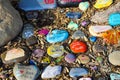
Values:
[(114, 19), (73, 26), (115, 76), (84, 6), (76, 72), (57, 36)]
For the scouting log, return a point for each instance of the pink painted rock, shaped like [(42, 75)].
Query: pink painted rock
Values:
[(43, 32)]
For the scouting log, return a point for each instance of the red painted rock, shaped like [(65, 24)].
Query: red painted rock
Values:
[(78, 46)]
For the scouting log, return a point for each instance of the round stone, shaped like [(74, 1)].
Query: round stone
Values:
[(114, 58), (57, 36), (114, 76), (85, 79), (85, 23), (43, 32), (84, 6), (70, 58), (78, 46), (93, 39), (99, 59), (73, 26), (38, 53), (84, 59), (31, 15), (55, 51), (78, 34), (76, 72)]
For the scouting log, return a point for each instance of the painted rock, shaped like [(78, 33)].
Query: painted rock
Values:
[(78, 46), (84, 6), (51, 72), (31, 15), (78, 34), (95, 30), (70, 58), (85, 79), (114, 58), (22, 72), (43, 32), (99, 59), (46, 60), (99, 48), (14, 55), (103, 3), (57, 36), (73, 15), (114, 19), (76, 72), (93, 39), (73, 26), (38, 53), (55, 51), (85, 23), (114, 76), (84, 59), (28, 31), (31, 41)]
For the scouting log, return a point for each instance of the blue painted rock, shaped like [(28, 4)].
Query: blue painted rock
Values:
[(78, 34), (76, 72), (115, 76), (28, 31), (22, 72), (57, 36), (85, 79), (51, 72), (93, 39), (74, 15), (70, 58), (114, 19)]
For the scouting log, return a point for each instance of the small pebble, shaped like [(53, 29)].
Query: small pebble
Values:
[(85, 23), (70, 58), (43, 32), (73, 15), (31, 41), (38, 53), (78, 35), (31, 15), (46, 60), (99, 59), (93, 39), (73, 26), (115, 76), (85, 79), (84, 6), (99, 48), (84, 59), (32, 62)]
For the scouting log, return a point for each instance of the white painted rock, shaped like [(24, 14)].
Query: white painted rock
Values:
[(51, 72), (10, 22)]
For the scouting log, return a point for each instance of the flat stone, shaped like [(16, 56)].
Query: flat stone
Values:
[(78, 35), (76, 72), (85, 79), (84, 59), (22, 72), (70, 58), (114, 76), (114, 58), (84, 6), (57, 36), (10, 22), (51, 72), (102, 16)]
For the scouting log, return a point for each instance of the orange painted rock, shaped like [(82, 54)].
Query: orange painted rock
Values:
[(78, 46)]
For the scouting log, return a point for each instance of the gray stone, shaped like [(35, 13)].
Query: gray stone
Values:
[(10, 22), (102, 17)]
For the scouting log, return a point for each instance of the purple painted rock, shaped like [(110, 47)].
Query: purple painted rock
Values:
[(38, 53), (70, 58)]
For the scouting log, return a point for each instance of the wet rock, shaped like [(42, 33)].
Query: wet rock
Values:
[(114, 76), (22, 72), (84, 6), (70, 58), (78, 35), (84, 59), (102, 17), (51, 72), (10, 22), (31, 40)]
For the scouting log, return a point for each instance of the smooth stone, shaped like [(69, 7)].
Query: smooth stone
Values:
[(70, 58), (85, 23), (38, 53), (51, 72), (59, 59), (93, 39), (114, 58), (32, 62), (31, 41), (14, 55), (103, 3), (73, 26), (99, 48), (85, 79), (84, 6), (84, 59), (10, 22), (43, 32), (78, 34), (55, 51), (28, 31), (78, 46), (46, 60), (22, 72), (99, 59), (76, 72), (73, 15), (114, 19), (32, 15), (114, 76), (101, 17), (57, 36)]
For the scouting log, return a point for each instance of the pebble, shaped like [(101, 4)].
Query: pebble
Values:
[(98, 48), (76, 72), (22, 72), (99, 59), (38, 53), (28, 31), (43, 32), (103, 78), (114, 58), (114, 19), (31, 15), (51, 72), (31, 41), (85, 23), (85, 79), (46, 60), (115, 76), (78, 46), (14, 55), (70, 58), (84, 5), (73, 26), (73, 15), (103, 3), (32, 62), (55, 51), (84, 59), (78, 34), (57, 36), (93, 39)]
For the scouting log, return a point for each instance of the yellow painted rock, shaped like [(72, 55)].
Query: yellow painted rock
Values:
[(103, 3)]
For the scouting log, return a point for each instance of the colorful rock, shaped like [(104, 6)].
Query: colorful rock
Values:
[(114, 76), (73, 26), (103, 3), (85, 23), (114, 19), (99, 59), (84, 59), (78, 35), (73, 15), (43, 32), (57, 36), (85, 79), (70, 58), (78, 46), (31, 15), (55, 51), (38, 53), (93, 39), (84, 6)]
